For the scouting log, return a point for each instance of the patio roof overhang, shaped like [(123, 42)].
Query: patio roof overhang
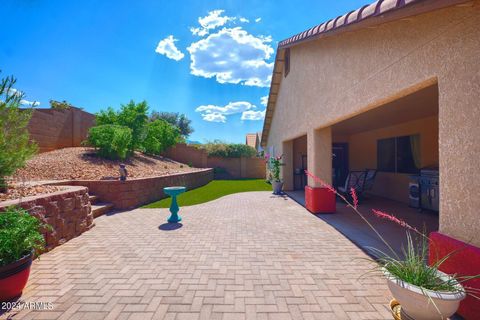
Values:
[(416, 103), (379, 12)]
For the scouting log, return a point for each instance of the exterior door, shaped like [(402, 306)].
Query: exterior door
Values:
[(339, 164)]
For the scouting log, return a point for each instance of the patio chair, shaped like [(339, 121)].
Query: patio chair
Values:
[(356, 180), (369, 179)]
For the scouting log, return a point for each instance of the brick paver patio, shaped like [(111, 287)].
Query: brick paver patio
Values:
[(244, 256)]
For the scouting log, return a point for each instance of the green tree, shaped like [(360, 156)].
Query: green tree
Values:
[(15, 145), (112, 141), (131, 115), (107, 116), (160, 135), (176, 119)]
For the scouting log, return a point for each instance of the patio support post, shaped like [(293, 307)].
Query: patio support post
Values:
[(319, 151), (287, 170)]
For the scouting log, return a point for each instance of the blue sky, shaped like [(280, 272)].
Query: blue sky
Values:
[(208, 59)]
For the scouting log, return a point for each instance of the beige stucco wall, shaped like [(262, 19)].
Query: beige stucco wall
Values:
[(334, 78), (363, 154)]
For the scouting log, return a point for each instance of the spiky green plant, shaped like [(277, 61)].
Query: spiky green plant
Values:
[(15, 145)]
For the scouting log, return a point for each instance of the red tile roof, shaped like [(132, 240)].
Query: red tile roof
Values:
[(377, 8), (370, 10)]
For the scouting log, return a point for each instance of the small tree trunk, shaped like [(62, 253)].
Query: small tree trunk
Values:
[(3, 185)]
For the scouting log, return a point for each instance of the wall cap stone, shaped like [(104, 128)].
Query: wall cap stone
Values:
[(67, 190)]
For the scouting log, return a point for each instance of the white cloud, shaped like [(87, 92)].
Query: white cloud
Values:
[(232, 55), (258, 19), (167, 48), (214, 117), (214, 113), (264, 100), (244, 20), (14, 92), (213, 20), (253, 115), (29, 103), (18, 93)]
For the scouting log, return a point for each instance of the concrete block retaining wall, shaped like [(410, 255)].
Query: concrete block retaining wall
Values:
[(136, 192), (68, 212)]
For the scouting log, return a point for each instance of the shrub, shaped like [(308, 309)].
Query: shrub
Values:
[(19, 235), (159, 135), (61, 105), (131, 115), (228, 150), (241, 150), (15, 145), (112, 141)]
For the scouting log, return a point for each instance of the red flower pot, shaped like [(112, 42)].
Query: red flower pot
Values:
[(14, 277)]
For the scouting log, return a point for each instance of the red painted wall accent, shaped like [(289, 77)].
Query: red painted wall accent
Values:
[(319, 200), (466, 262)]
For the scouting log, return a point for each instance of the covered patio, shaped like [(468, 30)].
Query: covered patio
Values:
[(347, 222), (395, 139)]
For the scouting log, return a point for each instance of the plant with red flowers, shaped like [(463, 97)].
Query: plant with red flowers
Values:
[(410, 279)]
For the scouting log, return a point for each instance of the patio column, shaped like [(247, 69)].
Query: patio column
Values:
[(319, 151), (287, 169)]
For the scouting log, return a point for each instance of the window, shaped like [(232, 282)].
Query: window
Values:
[(399, 154), (287, 61)]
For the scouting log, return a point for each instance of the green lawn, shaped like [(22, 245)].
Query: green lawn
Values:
[(214, 190)]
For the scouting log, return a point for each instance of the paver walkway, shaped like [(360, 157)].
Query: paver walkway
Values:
[(243, 256)]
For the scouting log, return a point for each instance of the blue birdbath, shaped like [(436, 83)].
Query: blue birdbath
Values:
[(174, 192)]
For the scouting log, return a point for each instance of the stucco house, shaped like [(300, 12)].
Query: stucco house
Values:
[(393, 86), (253, 140)]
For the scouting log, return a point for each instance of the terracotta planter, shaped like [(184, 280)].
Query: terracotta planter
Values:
[(417, 303), (277, 187), (14, 277)]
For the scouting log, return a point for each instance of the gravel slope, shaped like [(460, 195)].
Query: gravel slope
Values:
[(83, 164)]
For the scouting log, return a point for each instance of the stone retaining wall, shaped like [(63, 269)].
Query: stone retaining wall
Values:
[(67, 211), (136, 192)]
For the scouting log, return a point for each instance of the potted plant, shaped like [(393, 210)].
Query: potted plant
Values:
[(274, 164), (422, 290), (20, 241)]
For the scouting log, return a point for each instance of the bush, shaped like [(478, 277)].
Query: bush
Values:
[(15, 145), (228, 150), (112, 141), (131, 115), (159, 136), (61, 105), (19, 235)]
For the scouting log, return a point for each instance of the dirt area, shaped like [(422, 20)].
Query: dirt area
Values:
[(17, 191), (84, 164)]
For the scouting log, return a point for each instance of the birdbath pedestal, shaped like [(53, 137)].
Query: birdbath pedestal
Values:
[(174, 192)]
